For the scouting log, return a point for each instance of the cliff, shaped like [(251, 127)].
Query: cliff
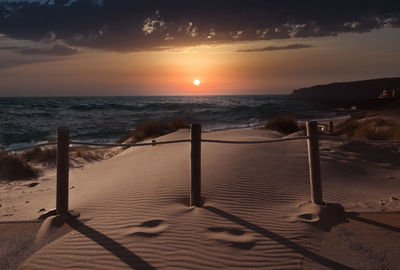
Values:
[(368, 89)]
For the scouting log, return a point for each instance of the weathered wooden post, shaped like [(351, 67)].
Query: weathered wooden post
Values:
[(331, 127), (195, 165), (314, 162), (62, 170)]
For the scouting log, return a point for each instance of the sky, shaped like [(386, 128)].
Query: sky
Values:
[(159, 47)]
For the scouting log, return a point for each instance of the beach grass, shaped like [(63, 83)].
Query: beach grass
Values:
[(39, 154), (285, 124), (87, 153), (360, 126), (151, 129), (49, 155), (23, 165), (12, 167), (28, 164)]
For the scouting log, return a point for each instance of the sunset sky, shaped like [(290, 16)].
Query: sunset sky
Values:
[(129, 47)]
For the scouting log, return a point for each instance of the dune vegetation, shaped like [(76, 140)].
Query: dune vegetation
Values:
[(152, 129), (29, 164), (12, 167), (363, 126), (285, 124)]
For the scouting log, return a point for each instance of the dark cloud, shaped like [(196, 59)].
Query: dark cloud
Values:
[(278, 48), (10, 48), (32, 55), (57, 50), (133, 25), (12, 62)]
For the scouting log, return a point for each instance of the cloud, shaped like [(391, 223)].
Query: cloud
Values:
[(278, 48), (10, 48), (57, 50), (12, 61), (136, 25), (26, 55)]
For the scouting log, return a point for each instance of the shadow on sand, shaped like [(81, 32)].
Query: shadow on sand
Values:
[(136, 262), (280, 239), (118, 250), (354, 216), (353, 156)]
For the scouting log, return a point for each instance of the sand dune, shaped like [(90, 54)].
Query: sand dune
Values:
[(134, 211)]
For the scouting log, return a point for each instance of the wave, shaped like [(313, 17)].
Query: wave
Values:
[(23, 120)]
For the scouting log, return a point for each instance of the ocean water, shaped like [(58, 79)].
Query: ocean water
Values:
[(31, 120)]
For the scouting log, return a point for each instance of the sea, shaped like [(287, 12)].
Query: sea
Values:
[(31, 120)]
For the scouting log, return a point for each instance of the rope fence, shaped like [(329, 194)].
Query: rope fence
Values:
[(153, 143), (27, 147), (312, 137), (323, 137), (256, 142)]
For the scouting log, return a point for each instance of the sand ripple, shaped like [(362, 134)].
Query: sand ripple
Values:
[(139, 217)]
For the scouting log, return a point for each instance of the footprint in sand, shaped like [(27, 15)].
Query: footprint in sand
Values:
[(306, 212), (149, 228), (234, 237), (31, 185), (308, 217)]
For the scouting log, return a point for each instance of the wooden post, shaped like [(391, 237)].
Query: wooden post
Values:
[(331, 127), (195, 161), (62, 170), (313, 162)]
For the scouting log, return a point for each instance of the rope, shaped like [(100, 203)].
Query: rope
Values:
[(153, 143), (27, 147), (335, 138), (126, 144), (255, 142), (331, 138)]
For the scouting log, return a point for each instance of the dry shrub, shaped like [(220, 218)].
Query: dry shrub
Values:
[(13, 167), (361, 127), (285, 124), (49, 155), (87, 153), (151, 129), (16, 166), (38, 154)]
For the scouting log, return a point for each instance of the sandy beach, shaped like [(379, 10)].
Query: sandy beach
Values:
[(134, 213)]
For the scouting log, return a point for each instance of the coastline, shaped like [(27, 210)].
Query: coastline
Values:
[(336, 120), (106, 119)]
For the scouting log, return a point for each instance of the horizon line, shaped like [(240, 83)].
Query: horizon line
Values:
[(146, 96)]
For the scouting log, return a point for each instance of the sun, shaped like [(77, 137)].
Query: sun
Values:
[(196, 82)]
